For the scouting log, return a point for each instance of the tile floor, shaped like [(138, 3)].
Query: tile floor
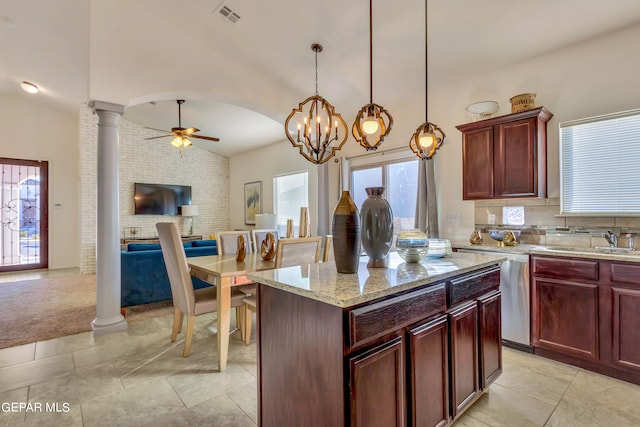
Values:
[(137, 378)]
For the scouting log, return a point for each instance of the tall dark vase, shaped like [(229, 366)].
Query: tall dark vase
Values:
[(377, 227), (346, 234)]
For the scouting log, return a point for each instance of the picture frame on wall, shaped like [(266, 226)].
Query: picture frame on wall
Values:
[(252, 201)]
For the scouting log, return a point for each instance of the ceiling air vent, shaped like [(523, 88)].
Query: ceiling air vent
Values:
[(227, 14)]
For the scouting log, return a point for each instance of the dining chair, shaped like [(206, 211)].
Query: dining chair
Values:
[(227, 241), (258, 237), (300, 251), (327, 254), (186, 300), (291, 252)]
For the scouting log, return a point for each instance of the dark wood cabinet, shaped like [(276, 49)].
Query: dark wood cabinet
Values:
[(505, 157), (566, 314), (489, 309), (377, 386), (429, 374), (585, 312), (393, 361), (465, 378)]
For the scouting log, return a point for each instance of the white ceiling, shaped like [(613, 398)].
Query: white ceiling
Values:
[(241, 80)]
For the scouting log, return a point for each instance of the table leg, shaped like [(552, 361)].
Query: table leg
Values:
[(224, 320)]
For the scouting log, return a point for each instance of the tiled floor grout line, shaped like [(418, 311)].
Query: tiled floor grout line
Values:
[(561, 397), (178, 342)]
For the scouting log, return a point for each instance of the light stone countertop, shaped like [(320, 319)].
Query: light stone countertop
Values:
[(560, 251), (322, 282)]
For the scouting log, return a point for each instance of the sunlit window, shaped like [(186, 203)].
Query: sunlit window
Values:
[(291, 192), (599, 158), (400, 179)]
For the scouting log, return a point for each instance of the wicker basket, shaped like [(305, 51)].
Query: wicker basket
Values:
[(523, 102)]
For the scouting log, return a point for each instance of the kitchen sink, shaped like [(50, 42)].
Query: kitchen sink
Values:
[(568, 249), (599, 249)]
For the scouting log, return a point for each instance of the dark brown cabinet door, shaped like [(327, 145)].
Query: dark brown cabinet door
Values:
[(477, 164), (505, 156), (428, 374), (377, 386), (490, 338), (464, 357), (565, 317), (515, 159), (626, 328)]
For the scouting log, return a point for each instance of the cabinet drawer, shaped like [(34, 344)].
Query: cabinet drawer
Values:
[(472, 286), (375, 320), (565, 268), (624, 273)]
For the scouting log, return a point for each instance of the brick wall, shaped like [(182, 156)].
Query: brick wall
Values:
[(155, 161)]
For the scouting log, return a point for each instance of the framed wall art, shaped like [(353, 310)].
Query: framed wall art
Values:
[(252, 201)]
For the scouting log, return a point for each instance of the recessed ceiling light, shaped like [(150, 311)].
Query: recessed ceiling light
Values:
[(29, 87)]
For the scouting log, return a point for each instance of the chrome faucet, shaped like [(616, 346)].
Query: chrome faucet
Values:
[(611, 238)]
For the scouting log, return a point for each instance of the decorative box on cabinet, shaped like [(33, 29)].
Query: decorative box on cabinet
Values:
[(505, 157)]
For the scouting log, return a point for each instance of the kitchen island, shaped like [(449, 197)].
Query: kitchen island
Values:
[(411, 344)]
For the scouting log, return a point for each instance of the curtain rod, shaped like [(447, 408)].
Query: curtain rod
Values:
[(379, 153)]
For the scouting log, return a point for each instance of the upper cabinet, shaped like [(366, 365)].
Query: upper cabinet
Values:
[(506, 156)]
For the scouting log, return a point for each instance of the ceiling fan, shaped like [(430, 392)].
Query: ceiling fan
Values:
[(181, 135)]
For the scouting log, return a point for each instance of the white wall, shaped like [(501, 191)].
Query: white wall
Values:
[(158, 162), (262, 165), (592, 78), (595, 77), (35, 130)]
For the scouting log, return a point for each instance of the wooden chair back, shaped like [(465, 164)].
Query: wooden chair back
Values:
[(301, 251)]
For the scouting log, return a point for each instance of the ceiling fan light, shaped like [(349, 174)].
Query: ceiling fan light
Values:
[(177, 142), (186, 142), (29, 87)]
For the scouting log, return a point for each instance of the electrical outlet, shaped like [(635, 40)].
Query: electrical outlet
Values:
[(455, 218)]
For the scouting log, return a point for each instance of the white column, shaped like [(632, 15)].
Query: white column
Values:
[(108, 318)]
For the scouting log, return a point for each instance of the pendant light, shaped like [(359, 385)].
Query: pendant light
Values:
[(428, 137), (321, 131), (373, 122)]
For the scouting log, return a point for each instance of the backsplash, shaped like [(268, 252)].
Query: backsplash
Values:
[(543, 226)]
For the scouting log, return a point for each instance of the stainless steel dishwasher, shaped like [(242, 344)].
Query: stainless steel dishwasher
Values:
[(516, 299)]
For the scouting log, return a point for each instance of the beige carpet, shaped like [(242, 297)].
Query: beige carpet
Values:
[(36, 310)]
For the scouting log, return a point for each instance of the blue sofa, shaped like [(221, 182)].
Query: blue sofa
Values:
[(144, 276)]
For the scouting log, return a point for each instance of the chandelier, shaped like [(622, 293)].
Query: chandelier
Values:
[(428, 137), (373, 122), (320, 130)]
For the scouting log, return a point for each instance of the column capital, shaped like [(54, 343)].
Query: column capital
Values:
[(106, 106)]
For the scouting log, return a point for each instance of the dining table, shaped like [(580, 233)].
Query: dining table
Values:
[(225, 272)]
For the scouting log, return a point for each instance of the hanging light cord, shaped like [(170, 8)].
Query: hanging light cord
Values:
[(316, 51), (426, 65), (371, 51)]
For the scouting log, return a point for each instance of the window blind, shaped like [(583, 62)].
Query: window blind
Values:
[(600, 165)]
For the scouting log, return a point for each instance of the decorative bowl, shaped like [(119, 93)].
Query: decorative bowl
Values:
[(412, 245), (439, 248), (482, 109), (498, 235)]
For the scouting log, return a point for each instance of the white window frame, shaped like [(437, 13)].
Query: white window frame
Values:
[(599, 160), (381, 159), (281, 222)]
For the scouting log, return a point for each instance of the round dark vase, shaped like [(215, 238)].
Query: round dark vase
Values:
[(346, 235), (377, 227)]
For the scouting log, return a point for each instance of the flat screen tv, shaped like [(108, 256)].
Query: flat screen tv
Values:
[(160, 199)]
